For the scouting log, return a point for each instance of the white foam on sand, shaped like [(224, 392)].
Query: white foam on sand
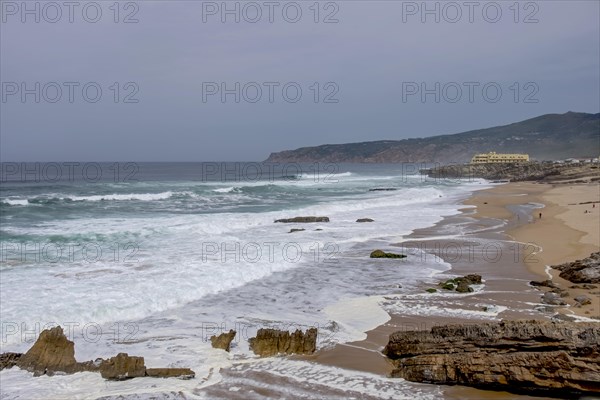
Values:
[(442, 308), (357, 316), (353, 384)]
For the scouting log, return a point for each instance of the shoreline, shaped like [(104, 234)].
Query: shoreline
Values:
[(500, 216), (493, 235), (564, 233)]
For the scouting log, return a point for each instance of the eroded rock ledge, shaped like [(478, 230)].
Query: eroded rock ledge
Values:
[(559, 359)]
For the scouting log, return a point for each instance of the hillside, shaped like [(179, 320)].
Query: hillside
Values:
[(545, 172), (547, 137)]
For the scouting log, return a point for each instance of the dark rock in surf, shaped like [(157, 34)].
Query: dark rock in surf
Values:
[(303, 220), (365, 220), (383, 254), (547, 283)]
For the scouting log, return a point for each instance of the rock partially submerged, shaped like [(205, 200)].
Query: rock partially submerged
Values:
[(365, 220), (296, 230), (541, 357), (123, 366), (303, 220), (53, 352), (462, 284), (223, 341), (547, 283), (269, 342), (586, 270), (383, 254)]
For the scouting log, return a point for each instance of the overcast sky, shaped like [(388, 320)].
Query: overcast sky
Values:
[(361, 68)]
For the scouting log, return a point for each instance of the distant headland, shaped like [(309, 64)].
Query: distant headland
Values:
[(547, 137)]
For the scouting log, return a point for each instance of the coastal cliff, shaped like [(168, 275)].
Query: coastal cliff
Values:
[(559, 359)]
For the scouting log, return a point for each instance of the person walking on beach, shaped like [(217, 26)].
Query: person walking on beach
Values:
[(540, 215)]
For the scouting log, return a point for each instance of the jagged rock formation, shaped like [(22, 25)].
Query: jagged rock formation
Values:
[(541, 357), (383, 254), (223, 341), (547, 137), (303, 220), (53, 352), (531, 171), (365, 220), (269, 342), (581, 271)]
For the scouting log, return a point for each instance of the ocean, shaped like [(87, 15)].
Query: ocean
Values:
[(154, 258)]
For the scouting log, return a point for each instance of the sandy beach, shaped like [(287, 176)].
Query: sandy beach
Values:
[(565, 232), (507, 218)]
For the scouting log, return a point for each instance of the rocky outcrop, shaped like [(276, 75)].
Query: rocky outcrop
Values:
[(462, 284), (586, 270), (303, 220), (553, 299), (123, 366), (269, 342), (383, 254), (547, 283), (553, 358), (365, 220), (582, 301), (53, 352), (223, 341)]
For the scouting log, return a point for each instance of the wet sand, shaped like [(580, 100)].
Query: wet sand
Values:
[(564, 233), (507, 243), (504, 240)]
